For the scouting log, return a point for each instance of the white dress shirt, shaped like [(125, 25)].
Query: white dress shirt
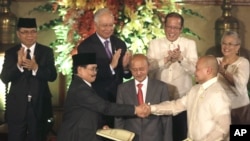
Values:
[(178, 74), (110, 49), (143, 88)]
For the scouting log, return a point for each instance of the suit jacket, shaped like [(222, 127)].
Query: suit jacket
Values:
[(22, 85), (106, 83), (83, 108), (152, 128)]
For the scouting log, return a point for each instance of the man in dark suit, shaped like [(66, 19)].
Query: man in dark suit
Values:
[(83, 107), (28, 67), (154, 91), (112, 61)]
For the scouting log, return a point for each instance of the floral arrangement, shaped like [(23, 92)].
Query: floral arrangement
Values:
[(137, 22)]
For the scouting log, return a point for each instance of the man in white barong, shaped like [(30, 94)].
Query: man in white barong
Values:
[(207, 105)]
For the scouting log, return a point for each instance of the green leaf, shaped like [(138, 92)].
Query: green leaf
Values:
[(51, 24), (192, 13), (139, 28), (187, 31), (47, 7)]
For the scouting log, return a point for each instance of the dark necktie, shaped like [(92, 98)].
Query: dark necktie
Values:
[(106, 46), (139, 94), (27, 72), (28, 54)]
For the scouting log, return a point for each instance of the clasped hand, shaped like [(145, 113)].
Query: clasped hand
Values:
[(174, 55), (222, 67), (143, 110), (24, 62)]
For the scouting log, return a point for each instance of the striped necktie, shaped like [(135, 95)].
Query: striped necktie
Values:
[(106, 46)]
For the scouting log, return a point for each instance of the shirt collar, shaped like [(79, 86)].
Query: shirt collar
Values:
[(209, 83), (176, 42), (89, 84), (144, 82), (102, 39), (32, 48)]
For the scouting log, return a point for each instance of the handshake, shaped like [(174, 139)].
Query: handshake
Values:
[(143, 110)]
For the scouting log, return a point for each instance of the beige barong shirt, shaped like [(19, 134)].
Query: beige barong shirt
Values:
[(208, 111)]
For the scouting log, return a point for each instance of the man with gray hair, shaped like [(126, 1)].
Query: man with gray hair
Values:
[(112, 57)]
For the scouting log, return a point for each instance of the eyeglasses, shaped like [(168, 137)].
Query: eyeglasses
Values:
[(172, 27), (27, 32), (107, 25), (229, 44), (92, 69)]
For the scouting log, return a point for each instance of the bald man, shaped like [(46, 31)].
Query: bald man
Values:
[(207, 104), (152, 128)]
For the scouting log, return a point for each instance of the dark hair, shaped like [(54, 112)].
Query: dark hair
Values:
[(176, 15)]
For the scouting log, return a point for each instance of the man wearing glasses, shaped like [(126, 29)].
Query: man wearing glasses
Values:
[(172, 60), (28, 67)]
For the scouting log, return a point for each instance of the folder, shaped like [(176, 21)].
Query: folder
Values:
[(116, 134)]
